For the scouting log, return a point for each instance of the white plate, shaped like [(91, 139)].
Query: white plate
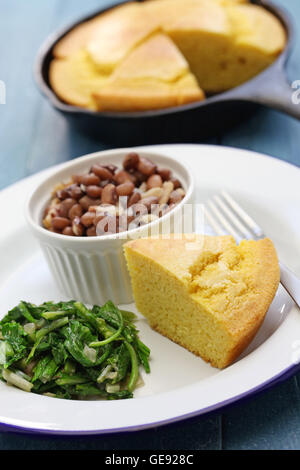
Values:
[(180, 385)]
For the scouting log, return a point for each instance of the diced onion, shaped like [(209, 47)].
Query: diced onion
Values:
[(112, 375), (29, 328), (16, 380), (90, 353), (103, 374), (112, 388)]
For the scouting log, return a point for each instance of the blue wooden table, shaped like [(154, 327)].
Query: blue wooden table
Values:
[(33, 137)]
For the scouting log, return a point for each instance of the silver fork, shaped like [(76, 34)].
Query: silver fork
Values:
[(225, 216)]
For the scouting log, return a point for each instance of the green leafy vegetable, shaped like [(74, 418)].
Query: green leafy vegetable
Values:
[(69, 351)]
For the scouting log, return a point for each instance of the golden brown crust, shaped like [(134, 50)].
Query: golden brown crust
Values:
[(230, 287), (74, 79), (146, 95), (76, 39), (265, 276)]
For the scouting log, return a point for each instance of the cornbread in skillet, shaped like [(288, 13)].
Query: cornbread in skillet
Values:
[(259, 37), (75, 79), (154, 75), (119, 33), (224, 44), (205, 293)]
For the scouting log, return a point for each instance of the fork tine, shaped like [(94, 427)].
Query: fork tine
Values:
[(231, 215), (221, 220), (248, 221), (212, 222)]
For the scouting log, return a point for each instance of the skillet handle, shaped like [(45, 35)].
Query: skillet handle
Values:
[(271, 88)]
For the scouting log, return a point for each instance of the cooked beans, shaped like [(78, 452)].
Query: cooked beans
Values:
[(122, 177), (87, 201), (111, 168), (146, 167), (176, 183), (102, 172), (88, 219), (154, 181), (164, 173), (59, 223), (131, 161), (91, 232), (89, 180), (75, 211), (77, 227), (94, 191), (138, 177), (68, 231), (108, 199), (134, 198), (109, 194), (125, 189), (75, 192), (65, 207)]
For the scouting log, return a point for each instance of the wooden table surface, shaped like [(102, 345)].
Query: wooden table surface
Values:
[(33, 136)]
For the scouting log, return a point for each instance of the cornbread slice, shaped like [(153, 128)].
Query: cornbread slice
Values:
[(259, 37), (120, 32), (155, 75), (75, 79), (205, 293), (225, 43)]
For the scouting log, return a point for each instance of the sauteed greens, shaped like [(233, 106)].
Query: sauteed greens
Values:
[(67, 350)]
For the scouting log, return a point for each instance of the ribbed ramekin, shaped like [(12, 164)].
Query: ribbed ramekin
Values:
[(93, 269)]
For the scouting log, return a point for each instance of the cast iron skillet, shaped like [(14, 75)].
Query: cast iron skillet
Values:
[(192, 122)]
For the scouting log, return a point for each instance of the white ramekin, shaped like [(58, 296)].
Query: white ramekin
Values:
[(93, 269)]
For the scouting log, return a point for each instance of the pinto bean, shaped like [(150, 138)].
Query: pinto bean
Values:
[(109, 194), (75, 211), (94, 191), (125, 189), (59, 223), (90, 180), (65, 207), (154, 181), (88, 219), (123, 176), (87, 201), (102, 172), (91, 232), (176, 183), (68, 231), (134, 198), (164, 173), (75, 192), (131, 161), (146, 166)]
